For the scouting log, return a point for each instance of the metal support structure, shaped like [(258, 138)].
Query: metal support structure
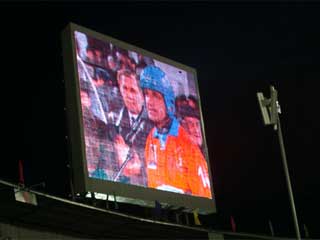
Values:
[(270, 110), (286, 171), (187, 218), (107, 202)]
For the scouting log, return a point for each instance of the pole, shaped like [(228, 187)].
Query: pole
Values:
[(285, 166)]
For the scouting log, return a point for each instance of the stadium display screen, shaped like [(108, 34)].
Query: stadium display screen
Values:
[(140, 120)]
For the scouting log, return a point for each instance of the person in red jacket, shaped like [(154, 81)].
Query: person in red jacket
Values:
[(174, 163)]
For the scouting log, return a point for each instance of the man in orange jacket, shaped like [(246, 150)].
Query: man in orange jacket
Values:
[(173, 162)]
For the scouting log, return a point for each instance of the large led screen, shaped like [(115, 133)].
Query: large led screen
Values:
[(141, 119)]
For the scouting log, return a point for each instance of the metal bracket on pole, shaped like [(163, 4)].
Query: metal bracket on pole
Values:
[(270, 109)]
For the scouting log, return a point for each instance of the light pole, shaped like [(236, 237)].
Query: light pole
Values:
[(270, 110)]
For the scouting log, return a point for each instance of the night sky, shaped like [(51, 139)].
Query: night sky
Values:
[(238, 49)]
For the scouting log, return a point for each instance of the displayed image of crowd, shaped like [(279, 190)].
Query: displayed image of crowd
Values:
[(137, 130)]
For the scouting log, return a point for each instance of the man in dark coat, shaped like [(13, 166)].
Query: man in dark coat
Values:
[(133, 127)]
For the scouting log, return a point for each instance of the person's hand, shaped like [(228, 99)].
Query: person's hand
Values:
[(121, 149), (134, 165)]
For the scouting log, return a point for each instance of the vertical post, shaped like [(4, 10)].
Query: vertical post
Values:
[(271, 228), (285, 166), (187, 218), (177, 214), (115, 202), (93, 199), (272, 107), (107, 201)]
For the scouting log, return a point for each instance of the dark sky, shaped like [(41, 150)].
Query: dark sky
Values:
[(238, 49)]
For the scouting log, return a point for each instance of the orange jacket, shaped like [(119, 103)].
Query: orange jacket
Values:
[(180, 164)]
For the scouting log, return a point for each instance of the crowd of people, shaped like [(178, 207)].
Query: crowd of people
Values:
[(136, 130)]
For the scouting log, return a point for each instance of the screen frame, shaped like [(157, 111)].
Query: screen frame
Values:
[(80, 180)]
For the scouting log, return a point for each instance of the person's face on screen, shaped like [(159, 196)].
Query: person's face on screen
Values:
[(90, 55), (112, 64), (99, 82), (192, 103), (131, 93), (85, 100), (98, 56), (156, 106), (193, 127)]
